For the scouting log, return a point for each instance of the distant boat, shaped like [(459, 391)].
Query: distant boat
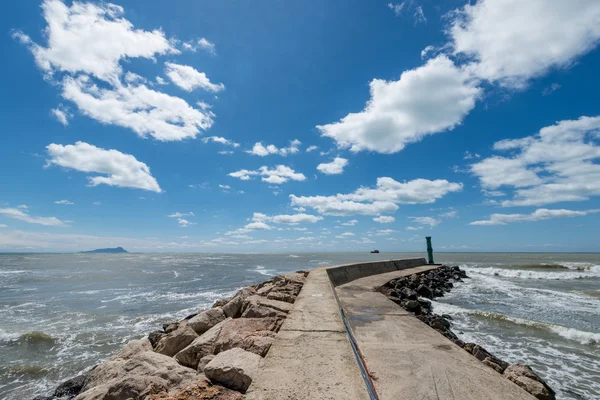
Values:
[(114, 250), (375, 251)]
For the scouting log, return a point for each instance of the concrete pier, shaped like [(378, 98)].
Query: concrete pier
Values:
[(396, 356)]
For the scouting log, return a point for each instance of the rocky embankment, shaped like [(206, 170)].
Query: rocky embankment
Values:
[(210, 355), (412, 293)]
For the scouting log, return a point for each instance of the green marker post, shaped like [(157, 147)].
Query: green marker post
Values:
[(429, 249)]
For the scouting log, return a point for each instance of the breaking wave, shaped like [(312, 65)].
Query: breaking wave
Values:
[(583, 337)]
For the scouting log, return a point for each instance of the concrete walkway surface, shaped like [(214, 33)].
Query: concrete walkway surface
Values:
[(312, 357)]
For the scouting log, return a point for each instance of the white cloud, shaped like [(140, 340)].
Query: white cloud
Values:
[(122, 170), (379, 200), (20, 215), (280, 174), (429, 99), (551, 89), (96, 203), (65, 202), (225, 187), (384, 219), (299, 209), (23, 206), (384, 232), (427, 50), (419, 16), (449, 214), (414, 228), (92, 38), (143, 110), (311, 148), (538, 215), (222, 140), (161, 81), (397, 8), (557, 164), (3, 226), (469, 156), (62, 114), (352, 222), (260, 150), (203, 43), (184, 223), (335, 167), (179, 215), (345, 235), (432, 222), (513, 41), (188, 78), (293, 219)]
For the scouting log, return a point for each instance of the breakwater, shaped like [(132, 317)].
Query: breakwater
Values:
[(309, 315)]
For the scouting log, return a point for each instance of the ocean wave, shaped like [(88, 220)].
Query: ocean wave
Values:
[(263, 271), (583, 337), (567, 274), (293, 256)]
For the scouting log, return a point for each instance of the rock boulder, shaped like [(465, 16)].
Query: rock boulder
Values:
[(233, 369), (524, 376), (171, 343), (206, 320)]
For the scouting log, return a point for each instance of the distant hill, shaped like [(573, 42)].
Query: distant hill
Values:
[(114, 250)]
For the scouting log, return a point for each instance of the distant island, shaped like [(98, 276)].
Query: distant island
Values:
[(114, 250)]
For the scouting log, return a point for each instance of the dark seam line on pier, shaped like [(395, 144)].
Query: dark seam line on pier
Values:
[(357, 354)]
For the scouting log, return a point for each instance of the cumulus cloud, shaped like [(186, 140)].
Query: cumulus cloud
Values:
[(19, 214), (335, 167), (379, 200), (311, 148), (64, 202), (352, 222), (538, 215), (121, 170), (279, 174), (143, 110), (204, 44), (260, 150), (384, 219), (513, 41), (429, 99), (384, 232), (93, 39), (557, 164), (188, 78)]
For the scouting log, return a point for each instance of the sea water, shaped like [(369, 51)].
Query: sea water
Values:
[(63, 313)]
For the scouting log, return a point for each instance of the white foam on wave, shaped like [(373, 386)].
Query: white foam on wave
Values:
[(583, 337), (568, 274), (263, 271), (293, 256)]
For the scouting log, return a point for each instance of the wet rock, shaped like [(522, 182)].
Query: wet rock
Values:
[(171, 343), (425, 304), (407, 293), (411, 305), (233, 369), (440, 324), (425, 291), (524, 376), (206, 320)]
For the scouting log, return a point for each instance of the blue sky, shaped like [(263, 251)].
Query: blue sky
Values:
[(291, 126)]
